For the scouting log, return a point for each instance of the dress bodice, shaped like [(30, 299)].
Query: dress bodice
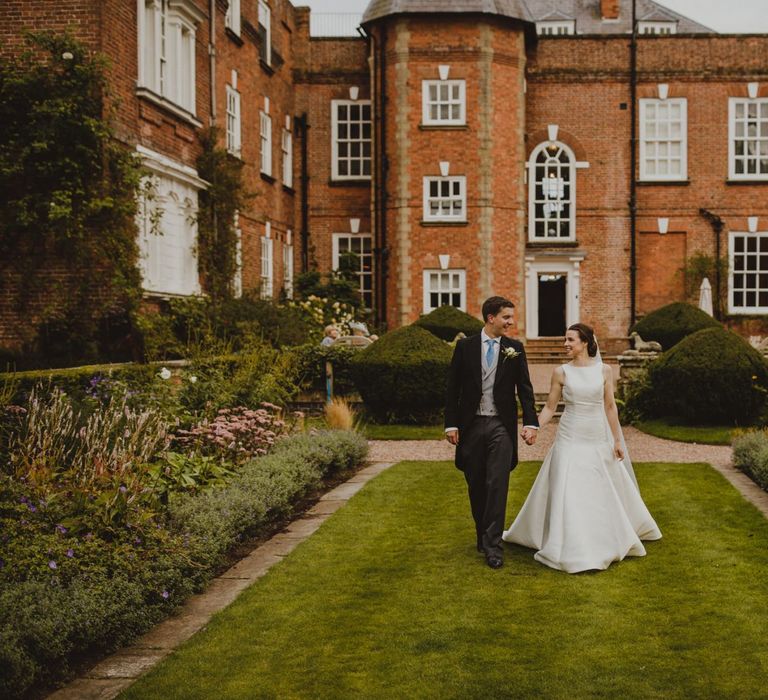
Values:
[(584, 415)]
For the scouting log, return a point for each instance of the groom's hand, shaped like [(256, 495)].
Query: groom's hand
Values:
[(452, 436), (529, 435)]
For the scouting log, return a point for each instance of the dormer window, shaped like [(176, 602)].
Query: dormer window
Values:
[(657, 27), (554, 28)]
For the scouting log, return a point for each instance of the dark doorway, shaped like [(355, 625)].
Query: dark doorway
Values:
[(552, 304)]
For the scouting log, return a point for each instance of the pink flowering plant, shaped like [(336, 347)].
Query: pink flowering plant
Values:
[(237, 434)]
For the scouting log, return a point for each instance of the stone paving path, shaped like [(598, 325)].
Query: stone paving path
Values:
[(115, 673)]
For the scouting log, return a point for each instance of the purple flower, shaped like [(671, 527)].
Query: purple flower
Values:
[(61, 529), (165, 595), (31, 507), (52, 564), (23, 499), (122, 489), (137, 540), (89, 536), (70, 553)]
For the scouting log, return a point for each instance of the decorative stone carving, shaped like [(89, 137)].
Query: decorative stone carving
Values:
[(641, 345)]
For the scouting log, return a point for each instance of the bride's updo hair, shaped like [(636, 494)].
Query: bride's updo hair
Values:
[(587, 335)]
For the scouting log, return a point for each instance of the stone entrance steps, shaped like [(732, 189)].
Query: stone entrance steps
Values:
[(546, 351)]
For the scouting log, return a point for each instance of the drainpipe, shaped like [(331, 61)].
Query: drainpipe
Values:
[(212, 57), (632, 168), (717, 227), (302, 127)]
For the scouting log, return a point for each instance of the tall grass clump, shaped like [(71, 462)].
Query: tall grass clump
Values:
[(339, 414)]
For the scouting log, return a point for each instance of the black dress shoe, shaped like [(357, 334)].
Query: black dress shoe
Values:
[(480, 546), (494, 561)]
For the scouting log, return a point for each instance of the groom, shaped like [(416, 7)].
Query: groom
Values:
[(481, 419)]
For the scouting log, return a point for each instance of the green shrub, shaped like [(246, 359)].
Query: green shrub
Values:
[(311, 359), (713, 377), (447, 322), (750, 455), (264, 489), (402, 376), (673, 322)]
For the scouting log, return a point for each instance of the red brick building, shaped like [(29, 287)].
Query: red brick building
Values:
[(459, 147)]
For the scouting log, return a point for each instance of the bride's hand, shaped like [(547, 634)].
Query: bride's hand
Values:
[(618, 449)]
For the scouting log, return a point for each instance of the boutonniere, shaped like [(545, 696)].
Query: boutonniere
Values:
[(509, 353)]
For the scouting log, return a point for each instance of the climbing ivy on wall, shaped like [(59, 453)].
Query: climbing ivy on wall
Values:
[(67, 192)]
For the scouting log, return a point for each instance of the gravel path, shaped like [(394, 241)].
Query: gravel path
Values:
[(642, 448)]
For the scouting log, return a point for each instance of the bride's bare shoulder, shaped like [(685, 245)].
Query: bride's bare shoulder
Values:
[(558, 374)]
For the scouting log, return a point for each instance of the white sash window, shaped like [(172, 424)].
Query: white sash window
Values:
[(748, 142), (663, 139), (445, 288), (351, 139)]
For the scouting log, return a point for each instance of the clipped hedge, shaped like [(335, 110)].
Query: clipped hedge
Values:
[(711, 377), (311, 359), (669, 324), (401, 377), (750, 455), (446, 322), (49, 623)]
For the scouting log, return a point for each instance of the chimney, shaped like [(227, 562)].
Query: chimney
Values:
[(609, 9)]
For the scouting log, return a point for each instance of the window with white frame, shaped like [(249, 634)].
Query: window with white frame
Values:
[(663, 139), (232, 18), (357, 248), (748, 142), (551, 193), (267, 268), (445, 288), (265, 129), (646, 27), (443, 102), (166, 39), (555, 28), (167, 217), (287, 149), (288, 268), (748, 278), (265, 32), (233, 121), (351, 140), (445, 198)]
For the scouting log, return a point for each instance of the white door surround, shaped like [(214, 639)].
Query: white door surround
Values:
[(548, 263)]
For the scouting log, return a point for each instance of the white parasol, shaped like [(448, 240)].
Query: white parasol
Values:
[(705, 297)]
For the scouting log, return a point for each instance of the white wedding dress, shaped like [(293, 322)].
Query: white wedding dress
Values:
[(584, 510)]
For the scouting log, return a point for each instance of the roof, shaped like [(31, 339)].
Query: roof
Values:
[(515, 9), (586, 13), (589, 20)]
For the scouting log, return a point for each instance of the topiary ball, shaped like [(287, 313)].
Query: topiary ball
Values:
[(402, 376), (711, 377), (447, 322), (673, 322)]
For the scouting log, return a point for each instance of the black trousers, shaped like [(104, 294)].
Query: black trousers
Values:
[(487, 452)]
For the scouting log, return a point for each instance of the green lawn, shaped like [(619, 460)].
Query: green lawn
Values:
[(389, 599), (702, 434)]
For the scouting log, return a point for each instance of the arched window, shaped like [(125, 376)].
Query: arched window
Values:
[(551, 193)]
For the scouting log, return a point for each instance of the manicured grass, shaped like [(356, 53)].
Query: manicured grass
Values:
[(403, 432), (702, 434), (389, 599)]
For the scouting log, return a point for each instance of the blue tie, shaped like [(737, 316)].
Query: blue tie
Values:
[(489, 353)]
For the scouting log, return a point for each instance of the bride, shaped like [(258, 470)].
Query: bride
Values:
[(584, 510)]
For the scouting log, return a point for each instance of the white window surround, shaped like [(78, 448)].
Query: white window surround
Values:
[(287, 150), (234, 121), (166, 51), (237, 282), (361, 244), (265, 31), (232, 18), (663, 139), (267, 267), (445, 198), (443, 102), (556, 27), (288, 268), (559, 264), (168, 246), (444, 288), (265, 130), (351, 139), (648, 27), (748, 272), (552, 210), (748, 138)]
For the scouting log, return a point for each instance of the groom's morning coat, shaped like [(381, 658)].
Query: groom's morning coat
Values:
[(464, 390)]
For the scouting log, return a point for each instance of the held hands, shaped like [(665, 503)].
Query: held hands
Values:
[(529, 435), (452, 436)]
